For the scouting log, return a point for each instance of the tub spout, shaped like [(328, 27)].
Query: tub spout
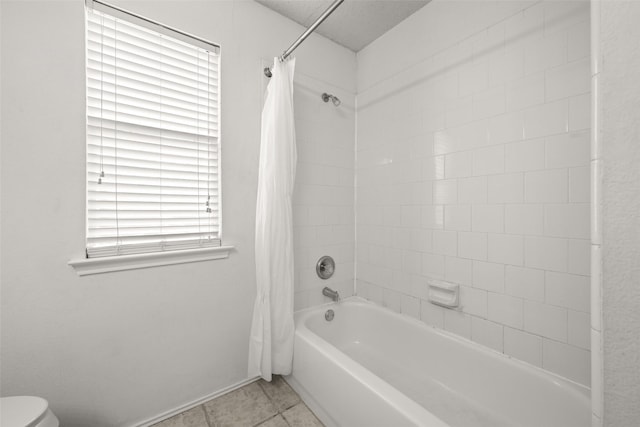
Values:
[(328, 292)]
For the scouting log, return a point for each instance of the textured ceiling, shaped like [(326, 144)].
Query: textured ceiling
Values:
[(354, 24)]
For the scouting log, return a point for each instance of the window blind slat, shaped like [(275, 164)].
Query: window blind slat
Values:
[(109, 125), (152, 140)]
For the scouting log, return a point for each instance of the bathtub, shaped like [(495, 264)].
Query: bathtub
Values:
[(371, 367)]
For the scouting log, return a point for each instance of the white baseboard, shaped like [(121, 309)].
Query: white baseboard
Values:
[(175, 411)]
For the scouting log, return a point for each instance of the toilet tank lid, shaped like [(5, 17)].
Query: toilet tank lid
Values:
[(21, 411)]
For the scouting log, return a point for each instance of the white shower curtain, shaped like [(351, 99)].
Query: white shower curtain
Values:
[(272, 329)]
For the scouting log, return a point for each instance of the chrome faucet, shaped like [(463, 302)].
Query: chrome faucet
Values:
[(328, 292)]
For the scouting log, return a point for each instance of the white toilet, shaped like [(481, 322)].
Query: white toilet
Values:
[(26, 411)]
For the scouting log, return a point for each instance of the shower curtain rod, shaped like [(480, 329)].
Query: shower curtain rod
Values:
[(303, 36)]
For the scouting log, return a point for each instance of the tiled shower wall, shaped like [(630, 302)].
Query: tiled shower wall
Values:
[(473, 167), (323, 201)]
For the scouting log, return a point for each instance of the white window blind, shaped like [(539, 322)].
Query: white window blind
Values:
[(153, 148)]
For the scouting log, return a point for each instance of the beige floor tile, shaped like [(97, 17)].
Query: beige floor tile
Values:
[(192, 418), (301, 416), (275, 422), (280, 393), (245, 407)]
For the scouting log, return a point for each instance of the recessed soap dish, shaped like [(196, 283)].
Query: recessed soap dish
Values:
[(444, 294)]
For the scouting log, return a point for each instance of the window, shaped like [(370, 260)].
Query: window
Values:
[(153, 149)]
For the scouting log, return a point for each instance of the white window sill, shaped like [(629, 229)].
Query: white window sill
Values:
[(87, 266)]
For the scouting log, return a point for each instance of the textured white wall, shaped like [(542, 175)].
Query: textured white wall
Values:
[(619, 95), (114, 349), (473, 167)]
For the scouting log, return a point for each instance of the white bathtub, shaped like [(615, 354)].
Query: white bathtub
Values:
[(372, 367)]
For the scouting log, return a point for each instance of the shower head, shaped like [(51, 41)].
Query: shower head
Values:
[(334, 99)]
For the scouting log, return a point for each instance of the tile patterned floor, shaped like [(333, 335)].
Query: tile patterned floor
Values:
[(260, 403)]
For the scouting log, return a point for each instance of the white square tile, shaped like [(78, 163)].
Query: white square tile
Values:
[(523, 346), (445, 242), (459, 111), (568, 150), (506, 249), (525, 155), (524, 219), (506, 128), (548, 186), (563, 15), (445, 192), (487, 218), (489, 102), (369, 291), (544, 52), (410, 216), (457, 165), (473, 301), (546, 253), (472, 245), (488, 276), (506, 188), (546, 320), (524, 25), (506, 65), (446, 88), (433, 266), (458, 323), (579, 329), (547, 119), (567, 220), (568, 80), (567, 290), (474, 77), (505, 309), (472, 135), (444, 142), (525, 92), (420, 240), (488, 161), (578, 40), (432, 314), (487, 333), (391, 299), (579, 181), (458, 270), (422, 193), (410, 306), (473, 190), (579, 257), (457, 217), (567, 361), (433, 217), (526, 283), (489, 40), (433, 168), (580, 112), (411, 262)]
